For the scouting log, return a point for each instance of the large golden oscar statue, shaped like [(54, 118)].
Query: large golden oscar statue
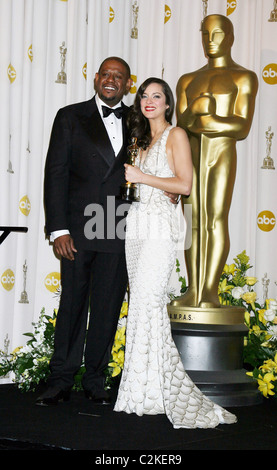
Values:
[(215, 105)]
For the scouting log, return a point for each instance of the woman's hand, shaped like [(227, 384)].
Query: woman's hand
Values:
[(133, 174), (174, 198)]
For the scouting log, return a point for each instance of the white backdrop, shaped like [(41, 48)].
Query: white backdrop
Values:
[(43, 39)]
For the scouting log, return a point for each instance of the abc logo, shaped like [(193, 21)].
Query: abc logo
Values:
[(7, 279), (133, 89), (84, 70), (266, 221), (25, 205), (11, 73), (167, 13), (270, 74), (52, 282), (112, 15), (231, 6), (30, 53)]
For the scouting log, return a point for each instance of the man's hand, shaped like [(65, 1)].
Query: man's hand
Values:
[(64, 246), (174, 198)]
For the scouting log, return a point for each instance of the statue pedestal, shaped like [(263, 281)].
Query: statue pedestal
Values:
[(210, 343)]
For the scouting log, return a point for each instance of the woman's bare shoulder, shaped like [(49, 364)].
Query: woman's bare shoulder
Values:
[(177, 133)]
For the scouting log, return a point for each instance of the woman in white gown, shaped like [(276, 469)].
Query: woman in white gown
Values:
[(153, 379)]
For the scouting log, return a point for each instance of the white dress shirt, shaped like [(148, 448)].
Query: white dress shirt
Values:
[(113, 125)]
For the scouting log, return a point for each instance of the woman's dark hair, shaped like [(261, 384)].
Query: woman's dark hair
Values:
[(138, 124)]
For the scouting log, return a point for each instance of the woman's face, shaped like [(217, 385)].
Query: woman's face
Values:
[(153, 101)]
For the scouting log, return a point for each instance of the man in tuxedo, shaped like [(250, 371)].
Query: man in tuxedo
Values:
[(83, 173)]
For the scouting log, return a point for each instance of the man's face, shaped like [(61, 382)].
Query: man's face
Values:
[(217, 37), (112, 82)]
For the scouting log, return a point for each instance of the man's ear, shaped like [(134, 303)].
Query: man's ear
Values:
[(128, 85), (96, 77)]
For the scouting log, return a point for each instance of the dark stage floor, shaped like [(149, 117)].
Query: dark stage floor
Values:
[(79, 425)]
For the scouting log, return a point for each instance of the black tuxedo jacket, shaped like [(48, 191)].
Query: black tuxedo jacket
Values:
[(83, 178)]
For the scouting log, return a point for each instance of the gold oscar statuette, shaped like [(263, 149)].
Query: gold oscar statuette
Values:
[(215, 106), (134, 31), (130, 191), (268, 163), (273, 14)]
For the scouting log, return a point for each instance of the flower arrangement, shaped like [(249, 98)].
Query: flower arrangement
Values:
[(260, 348), (235, 287), (116, 364), (30, 364)]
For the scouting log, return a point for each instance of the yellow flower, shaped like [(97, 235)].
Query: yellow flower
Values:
[(256, 330), (269, 365), (53, 321), (265, 385), (229, 269), (249, 297), (124, 310), (243, 258), (261, 316), (118, 363), (224, 302), (43, 359), (267, 302), (16, 350), (251, 281), (120, 338), (224, 287), (247, 317)]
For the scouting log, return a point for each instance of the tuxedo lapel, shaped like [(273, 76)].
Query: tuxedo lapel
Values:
[(98, 134), (120, 159)]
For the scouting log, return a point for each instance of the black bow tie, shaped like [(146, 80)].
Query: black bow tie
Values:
[(117, 111)]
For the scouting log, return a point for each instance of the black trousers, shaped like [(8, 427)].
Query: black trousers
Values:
[(97, 282)]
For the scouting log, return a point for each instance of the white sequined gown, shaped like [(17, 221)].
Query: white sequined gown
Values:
[(154, 380)]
